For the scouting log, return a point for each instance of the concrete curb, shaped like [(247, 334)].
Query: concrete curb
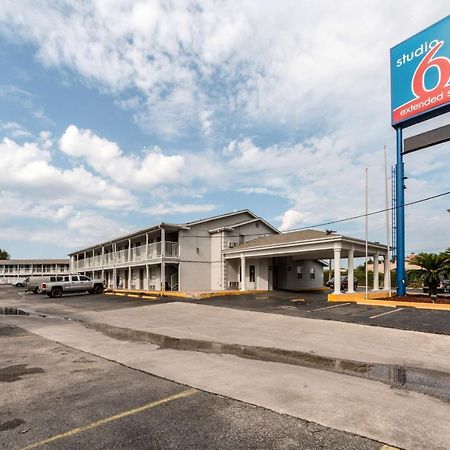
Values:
[(426, 381), (390, 303), (186, 295)]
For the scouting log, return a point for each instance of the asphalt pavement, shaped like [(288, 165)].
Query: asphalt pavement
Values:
[(311, 305), (108, 399), (56, 397)]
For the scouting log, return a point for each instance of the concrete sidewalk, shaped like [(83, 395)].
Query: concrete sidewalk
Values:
[(318, 337)]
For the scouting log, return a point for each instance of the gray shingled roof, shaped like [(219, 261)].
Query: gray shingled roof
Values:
[(284, 238)]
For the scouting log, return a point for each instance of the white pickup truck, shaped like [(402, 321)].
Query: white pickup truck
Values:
[(66, 284)]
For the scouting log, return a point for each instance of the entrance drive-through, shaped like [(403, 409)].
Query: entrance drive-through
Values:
[(296, 260)]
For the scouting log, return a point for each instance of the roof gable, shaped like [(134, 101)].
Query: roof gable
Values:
[(283, 238), (222, 216)]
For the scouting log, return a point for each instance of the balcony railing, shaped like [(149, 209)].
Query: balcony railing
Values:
[(36, 270), (136, 254)]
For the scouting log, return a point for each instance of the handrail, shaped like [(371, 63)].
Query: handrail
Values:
[(148, 252)]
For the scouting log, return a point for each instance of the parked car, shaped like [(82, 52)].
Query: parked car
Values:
[(70, 284), (444, 286), (344, 283), (19, 283)]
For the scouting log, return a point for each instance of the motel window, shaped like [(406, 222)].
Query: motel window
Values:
[(252, 271), (312, 273), (299, 272)]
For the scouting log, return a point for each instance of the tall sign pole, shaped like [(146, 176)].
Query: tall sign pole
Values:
[(387, 274), (420, 90), (400, 215)]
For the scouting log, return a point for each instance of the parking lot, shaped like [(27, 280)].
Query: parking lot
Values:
[(60, 397), (311, 305), (314, 305), (57, 397)]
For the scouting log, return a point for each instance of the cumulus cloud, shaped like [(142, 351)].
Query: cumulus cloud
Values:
[(106, 158), (28, 169), (13, 205), (84, 228), (291, 219), (169, 209), (297, 97), (285, 66)]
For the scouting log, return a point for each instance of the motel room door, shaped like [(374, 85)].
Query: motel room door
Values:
[(251, 277)]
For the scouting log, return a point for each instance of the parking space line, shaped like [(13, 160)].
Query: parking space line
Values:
[(294, 300), (121, 415), (387, 312), (329, 307)]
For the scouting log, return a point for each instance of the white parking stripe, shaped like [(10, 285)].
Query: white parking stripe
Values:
[(328, 307), (387, 312)]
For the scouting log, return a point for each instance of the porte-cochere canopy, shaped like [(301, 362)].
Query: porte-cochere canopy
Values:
[(313, 245)]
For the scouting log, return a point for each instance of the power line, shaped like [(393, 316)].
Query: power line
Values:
[(360, 216), (371, 213)]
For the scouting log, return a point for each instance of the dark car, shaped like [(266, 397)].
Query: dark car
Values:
[(344, 283)]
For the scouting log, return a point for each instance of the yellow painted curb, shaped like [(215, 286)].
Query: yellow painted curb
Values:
[(226, 294), (317, 289), (205, 295), (139, 293), (360, 300), (357, 296)]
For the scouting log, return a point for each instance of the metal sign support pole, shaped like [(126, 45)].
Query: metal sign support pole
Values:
[(400, 215)]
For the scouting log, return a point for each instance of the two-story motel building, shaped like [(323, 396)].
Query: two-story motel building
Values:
[(14, 270), (237, 250)]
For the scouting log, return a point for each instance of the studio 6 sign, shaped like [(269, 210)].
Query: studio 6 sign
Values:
[(420, 73)]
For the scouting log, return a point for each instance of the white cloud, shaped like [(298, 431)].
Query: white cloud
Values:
[(254, 190), (292, 219), (80, 230), (291, 65), (28, 169), (233, 72), (106, 158), (176, 208), (13, 205), (15, 130)]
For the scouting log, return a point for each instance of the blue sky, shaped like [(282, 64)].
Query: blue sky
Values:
[(118, 115)]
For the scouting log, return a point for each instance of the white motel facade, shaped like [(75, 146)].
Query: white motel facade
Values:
[(14, 270), (238, 250)]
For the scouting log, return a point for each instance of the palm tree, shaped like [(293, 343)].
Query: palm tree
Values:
[(432, 267), (4, 254)]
